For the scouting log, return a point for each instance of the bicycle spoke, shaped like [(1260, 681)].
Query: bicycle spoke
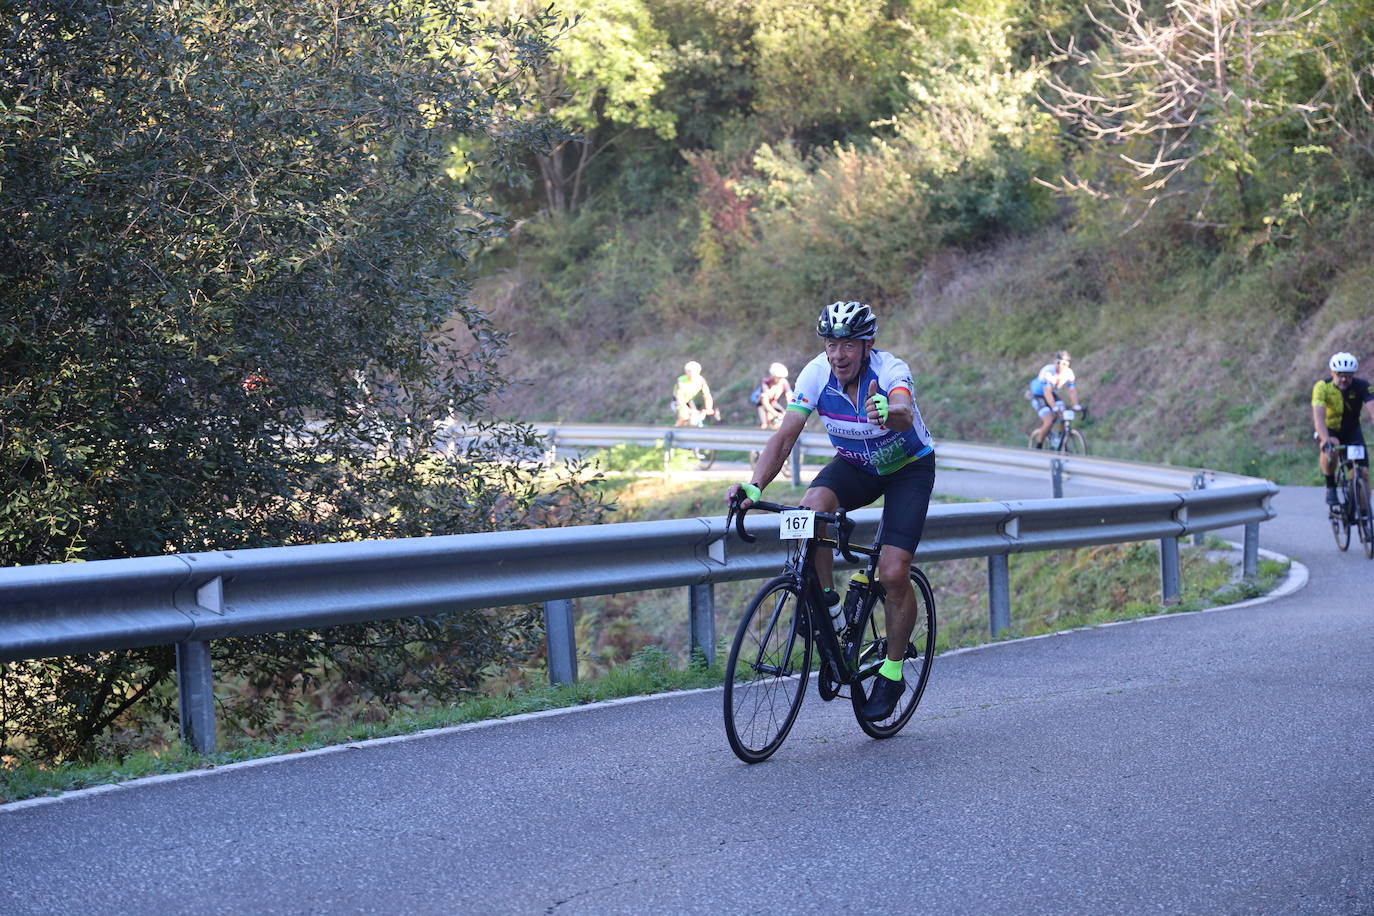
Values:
[(916, 661), (766, 674)]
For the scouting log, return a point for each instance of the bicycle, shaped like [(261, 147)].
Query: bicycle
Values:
[(696, 418), (1063, 437), (1352, 509), (769, 665)]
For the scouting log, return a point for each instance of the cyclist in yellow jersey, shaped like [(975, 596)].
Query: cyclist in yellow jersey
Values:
[(1336, 404), (688, 387)]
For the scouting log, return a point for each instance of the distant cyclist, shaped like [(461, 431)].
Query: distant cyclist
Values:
[(1336, 403), (864, 397), (690, 386), (1043, 391), (774, 392)]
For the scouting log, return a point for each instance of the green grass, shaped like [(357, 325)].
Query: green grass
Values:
[(636, 644)]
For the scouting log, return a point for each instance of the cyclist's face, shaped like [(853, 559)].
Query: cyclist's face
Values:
[(846, 357), (1343, 379)]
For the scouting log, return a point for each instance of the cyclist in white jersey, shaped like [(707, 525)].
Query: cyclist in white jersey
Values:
[(1047, 407), (865, 399)]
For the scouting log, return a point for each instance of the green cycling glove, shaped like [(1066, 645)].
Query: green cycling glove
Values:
[(751, 492), (880, 402)]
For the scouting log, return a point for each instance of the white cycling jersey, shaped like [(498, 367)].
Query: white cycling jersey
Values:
[(871, 448)]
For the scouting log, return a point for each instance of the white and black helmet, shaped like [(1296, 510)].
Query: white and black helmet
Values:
[(840, 320), (1344, 362)]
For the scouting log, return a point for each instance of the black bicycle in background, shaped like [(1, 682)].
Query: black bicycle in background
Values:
[(1352, 509), (769, 666)]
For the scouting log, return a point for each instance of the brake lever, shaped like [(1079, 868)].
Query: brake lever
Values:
[(737, 515), (846, 527)]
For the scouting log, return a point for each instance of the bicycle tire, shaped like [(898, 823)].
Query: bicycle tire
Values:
[(705, 457), (1340, 514), (915, 666), (767, 671), (1364, 516), (1074, 443), (1030, 441)]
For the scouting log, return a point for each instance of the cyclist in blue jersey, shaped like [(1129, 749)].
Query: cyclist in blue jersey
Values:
[(865, 399), (1042, 393)]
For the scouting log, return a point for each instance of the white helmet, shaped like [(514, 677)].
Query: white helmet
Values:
[(1344, 362), (692, 366), (777, 370), (847, 320)]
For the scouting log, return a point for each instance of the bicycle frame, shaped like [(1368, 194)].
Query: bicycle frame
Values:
[(801, 567)]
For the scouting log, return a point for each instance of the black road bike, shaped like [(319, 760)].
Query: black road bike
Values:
[(770, 660), (1352, 509)]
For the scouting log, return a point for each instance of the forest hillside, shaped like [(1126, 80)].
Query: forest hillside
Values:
[(1177, 193)]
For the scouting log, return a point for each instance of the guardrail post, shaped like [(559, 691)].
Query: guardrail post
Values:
[(196, 695), (1250, 552), (1057, 477), (667, 451), (999, 594), (1199, 483), (702, 600), (1168, 570), (796, 464), (561, 644)]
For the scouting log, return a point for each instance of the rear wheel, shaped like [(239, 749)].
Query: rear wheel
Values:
[(920, 651), (1362, 512), (766, 673)]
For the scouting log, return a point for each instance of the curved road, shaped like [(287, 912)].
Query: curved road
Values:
[(1220, 762)]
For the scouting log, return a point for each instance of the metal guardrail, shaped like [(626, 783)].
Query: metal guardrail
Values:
[(191, 599)]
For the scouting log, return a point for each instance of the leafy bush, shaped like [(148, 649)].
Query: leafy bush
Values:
[(233, 305)]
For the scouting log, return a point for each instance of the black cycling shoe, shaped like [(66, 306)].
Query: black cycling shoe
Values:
[(883, 699), (1331, 498)]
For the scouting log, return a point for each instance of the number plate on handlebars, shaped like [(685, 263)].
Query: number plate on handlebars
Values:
[(1354, 452), (796, 524)]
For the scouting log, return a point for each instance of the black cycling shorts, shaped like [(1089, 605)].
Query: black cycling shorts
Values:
[(905, 492), (1348, 438)]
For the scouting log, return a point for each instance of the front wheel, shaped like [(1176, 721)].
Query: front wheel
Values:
[(920, 651), (1074, 443), (705, 457), (766, 673), (1340, 514)]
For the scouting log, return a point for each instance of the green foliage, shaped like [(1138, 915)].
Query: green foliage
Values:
[(234, 305)]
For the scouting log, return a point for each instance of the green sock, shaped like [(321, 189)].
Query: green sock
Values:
[(891, 670)]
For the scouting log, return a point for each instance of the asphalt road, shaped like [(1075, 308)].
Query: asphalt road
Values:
[(1220, 762)]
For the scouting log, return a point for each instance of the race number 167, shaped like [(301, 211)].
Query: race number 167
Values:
[(798, 523)]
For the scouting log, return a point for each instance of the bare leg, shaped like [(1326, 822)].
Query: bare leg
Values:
[(894, 572), (823, 499)]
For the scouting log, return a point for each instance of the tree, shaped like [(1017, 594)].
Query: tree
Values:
[(604, 77), (233, 298), (1194, 103)]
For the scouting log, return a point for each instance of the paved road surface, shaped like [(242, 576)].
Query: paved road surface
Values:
[(1209, 763)]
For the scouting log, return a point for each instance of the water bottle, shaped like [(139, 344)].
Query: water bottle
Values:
[(837, 617), (835, 610), (857, 584)]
